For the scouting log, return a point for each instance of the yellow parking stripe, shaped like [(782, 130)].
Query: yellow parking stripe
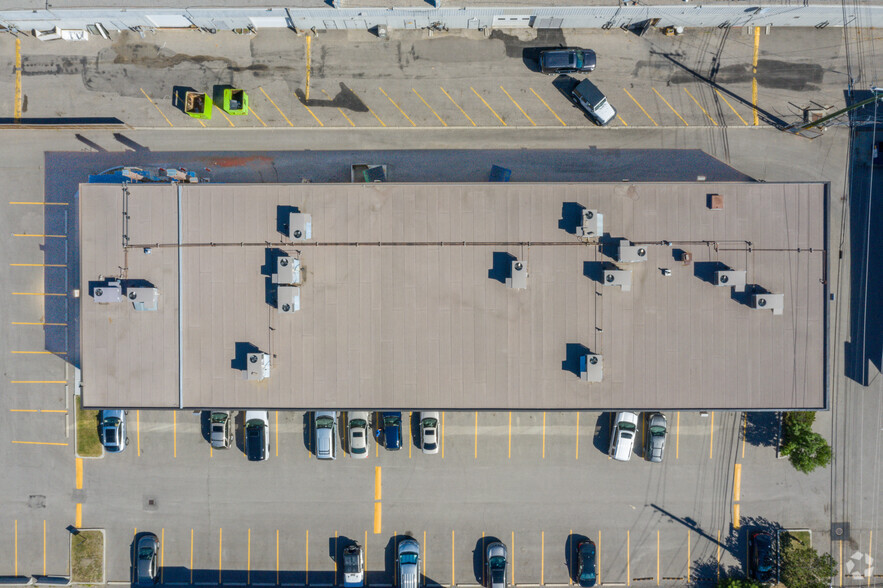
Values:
[(622, 120), (378, 517), (274, 104), (78, 518), (641, 107), (754, 73), (79, 463), (563, 124), (38, 265), (260, 120), (458, 107), (224, 114), (42, 324), (39, 352), (431, 109), (731, 107), (413, 124), (671, 107), (383, 124), (378, 485), (517, 106), (737, 482), (61, 410), (39, 443), (340, 110), (700, 107), (321, 124), (16, 106), (46, 236), (157, 107), (488, 106), (41, 203)]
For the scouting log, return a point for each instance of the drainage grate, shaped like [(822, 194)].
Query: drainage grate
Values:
[(839, 531), (150, 503)]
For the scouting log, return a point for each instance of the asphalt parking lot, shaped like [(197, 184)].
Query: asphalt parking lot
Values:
[(533, 484)]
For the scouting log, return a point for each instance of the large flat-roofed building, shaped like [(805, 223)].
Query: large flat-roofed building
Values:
[(454, 296)]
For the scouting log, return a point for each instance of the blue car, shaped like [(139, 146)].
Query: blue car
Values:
[(112, 430), (391, 428)]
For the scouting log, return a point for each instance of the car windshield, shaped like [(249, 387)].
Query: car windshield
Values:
[(111, 422), (218, 417), (429, 446), (498, 562), (657, 430), (145, 553), (587, 575), (324, 422), (579, 59), (392, 421), (601, 104), (358, 424), (430, 423), (408, 558), (625, 426)]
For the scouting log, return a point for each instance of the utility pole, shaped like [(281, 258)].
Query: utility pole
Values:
[(798, 129)]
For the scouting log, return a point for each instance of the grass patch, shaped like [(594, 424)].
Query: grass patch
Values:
[(88, 444), (797, 538), (87, 557)]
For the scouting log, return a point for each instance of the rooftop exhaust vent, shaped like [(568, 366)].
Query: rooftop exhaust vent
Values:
[(288, 299), (618, 277), (592, 226), (105, 294), (767, 301), (143, 298), (257, 366), (629, 253), (287, 270), (591, 368), (300, 226), (517, 279), (734, 278)]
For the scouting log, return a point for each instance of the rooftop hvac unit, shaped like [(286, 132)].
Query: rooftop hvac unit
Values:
[(143, 298), (592, 226), (287, 270), (591, 368), (111, 292), (766, 301), (618, 277), (288, 299), (257, 366), (517, 279), (629, 253), (300, 226), (734, 278)]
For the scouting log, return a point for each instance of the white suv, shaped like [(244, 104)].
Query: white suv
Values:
[(622, 440)]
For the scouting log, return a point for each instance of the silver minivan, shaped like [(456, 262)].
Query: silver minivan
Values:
[(326, 439), (408, 563)]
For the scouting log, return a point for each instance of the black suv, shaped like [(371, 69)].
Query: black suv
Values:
[(567, 60)]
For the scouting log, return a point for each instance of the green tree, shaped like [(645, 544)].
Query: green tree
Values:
[(804, 567), (806, 449), (739, 583)]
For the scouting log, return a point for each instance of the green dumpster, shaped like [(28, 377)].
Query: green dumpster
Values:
[(198, 104), (235, 101)]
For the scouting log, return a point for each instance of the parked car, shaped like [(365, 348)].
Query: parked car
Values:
[(353, 566), (656, 431), (408, 563), (593, 101), (622, 439), (357, 438), (146, 550), (429, 432), (496, 561), (221, 429), (567, 60), (257, 435), (326, 440), (761, 560), (585, 563), (391, 429), (112, 430)]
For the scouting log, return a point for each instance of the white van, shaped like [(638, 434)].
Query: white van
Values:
[(593, 101)]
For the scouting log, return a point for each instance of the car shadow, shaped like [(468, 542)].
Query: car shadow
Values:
[(308, 433), (603, 427)]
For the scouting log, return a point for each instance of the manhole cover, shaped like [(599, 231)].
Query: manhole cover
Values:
[(840, 531), (150, 503)]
